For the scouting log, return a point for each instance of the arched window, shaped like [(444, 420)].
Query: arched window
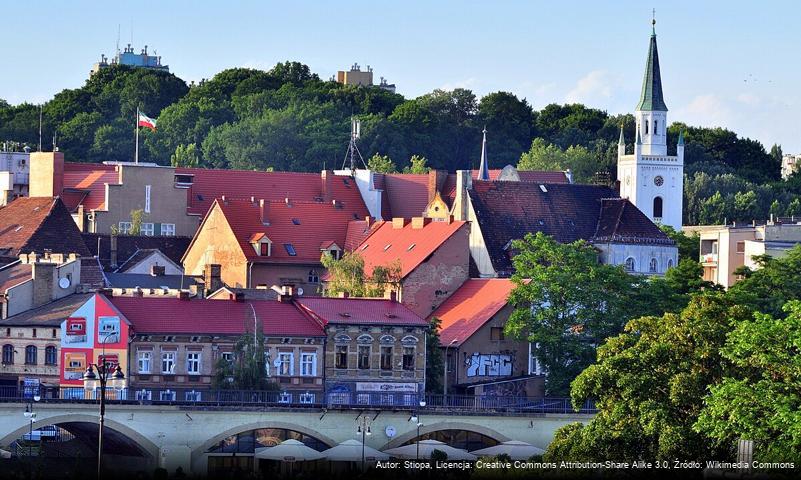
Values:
[(8, 354), (629, 264), (30, 354), (50, 355), (652, 266), (656, 127), (657, 207), (646, 127), (670, 263)]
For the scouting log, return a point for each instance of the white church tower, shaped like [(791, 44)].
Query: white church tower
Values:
[(650, 178)]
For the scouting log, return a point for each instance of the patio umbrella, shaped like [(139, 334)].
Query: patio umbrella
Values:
[(5, 453), (516, 449), (289, 451), (351, 451), (427, 447)]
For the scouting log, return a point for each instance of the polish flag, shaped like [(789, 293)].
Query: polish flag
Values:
[(145, 121)]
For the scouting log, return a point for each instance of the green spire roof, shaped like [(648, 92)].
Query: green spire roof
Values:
[(681, 137), (651, 96)]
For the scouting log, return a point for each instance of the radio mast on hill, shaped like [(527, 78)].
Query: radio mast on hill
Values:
[(353, 149)]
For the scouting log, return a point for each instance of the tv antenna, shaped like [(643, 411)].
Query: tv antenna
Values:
[(353, 149), (40, 126), (118, 39)]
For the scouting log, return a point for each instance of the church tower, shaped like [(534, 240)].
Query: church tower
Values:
[(650, 178)]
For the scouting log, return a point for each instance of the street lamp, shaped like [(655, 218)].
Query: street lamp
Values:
[(416, 419), (31, 415), (363, 427), (104, 377), (445, 375)]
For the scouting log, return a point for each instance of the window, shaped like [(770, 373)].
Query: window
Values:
[(386, 358), (147, 198), (193, 363), (670, 263), (341, 356), (168, 363), (646, 127), (314, 277), (629, 264), (192, 396), (143, 361), (33, 333), (143, 395), (227, 356), (167, 396), (496, 333), (50, 355), (290, 249), (125, 228), (30, 355), (148, 229), (168, 229), (740, 247), (8, 354), (306, 398), (656, 127), (53, 333), (285, 367), (264, 249), (408, 358), (364, 357), (285, 397), (652, 265), (657, 207), (8, 332), (308, 364)]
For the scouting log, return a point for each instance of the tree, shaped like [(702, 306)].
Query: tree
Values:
[(381, 164), (689, 245), (248, 369), (649, 384), (434, 358), (417, 164), (713, 210), (774, 283), (794, 208), (136, 222), (544, 156), (347, 276), (761, 400), (184, 156), (566, 303)]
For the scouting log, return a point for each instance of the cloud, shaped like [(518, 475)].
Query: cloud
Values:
[(594, 88), (749, 99), (707, 110), (468, 83)]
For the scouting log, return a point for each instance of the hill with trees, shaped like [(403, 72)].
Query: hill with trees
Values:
[(287, 118)]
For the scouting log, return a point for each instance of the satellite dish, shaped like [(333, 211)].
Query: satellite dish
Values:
[(300, 291), (64, 282)]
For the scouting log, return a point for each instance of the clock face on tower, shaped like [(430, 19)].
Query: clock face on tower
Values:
[(658, 180)]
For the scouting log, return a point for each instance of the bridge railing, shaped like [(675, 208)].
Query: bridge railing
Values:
[(231, 399)]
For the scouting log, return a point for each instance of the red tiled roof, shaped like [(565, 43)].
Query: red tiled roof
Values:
[(304, 225), (526, 176), (411, 246), (358, 230), (405, 195), (364, 311), (470, 307), (14, 274), (88, 179), (160, 315), (36, 224), (620, 221), (209, 185)]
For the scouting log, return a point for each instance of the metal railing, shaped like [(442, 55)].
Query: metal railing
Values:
[(248, 399)]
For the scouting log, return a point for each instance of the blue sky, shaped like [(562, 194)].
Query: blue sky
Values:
[(732, 64)]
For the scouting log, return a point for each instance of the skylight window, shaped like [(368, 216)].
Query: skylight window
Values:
[(365, 247), (386, 247), (411, 247), (200, 197), (296, 221), (290, 249)]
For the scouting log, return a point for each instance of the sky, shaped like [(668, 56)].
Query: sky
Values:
[(732, 64)]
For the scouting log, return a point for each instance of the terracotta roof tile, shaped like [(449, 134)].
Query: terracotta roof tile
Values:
[(50, 314), (405, 195), (155, 315), (528, 176), (359, 311), (358, 230), (13, 274), (411, 246), (88, 179), (470, 307), (36, 224)]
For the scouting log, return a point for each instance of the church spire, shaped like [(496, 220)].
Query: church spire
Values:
[(651, 96), (483, 169), (621, 141)]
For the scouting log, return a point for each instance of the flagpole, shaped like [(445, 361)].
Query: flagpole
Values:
[(136, 125)]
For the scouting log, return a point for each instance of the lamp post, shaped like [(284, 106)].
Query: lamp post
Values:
[(416, 419), (363, 427), (445, 374), (31, 416), (108, 373)]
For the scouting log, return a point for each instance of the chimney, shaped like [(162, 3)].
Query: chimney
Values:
[(183, 295), (137, 292), (212, 277), (264, 212), (80, 218), (436, 178), (113, 249), (336, 204), (43, 282), (327, 185), (238, 297), (157, 270), (398, 223), (419, 222), (369, 220), (464, 182), (47, 174), (287, 293)]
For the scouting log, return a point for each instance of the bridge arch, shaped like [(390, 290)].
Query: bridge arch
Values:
[(440, 426), (150, 449)]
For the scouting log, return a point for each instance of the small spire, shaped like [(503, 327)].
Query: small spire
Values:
[(653, 22), (639, 140), (622, 141), (681, 138), (483, 169)]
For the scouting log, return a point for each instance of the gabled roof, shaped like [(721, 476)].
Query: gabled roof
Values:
[(127, 245), (359, 311), (528, 176), (470, 307), (405, 194), (86, 183), (507, 211), (36, 224), (411, 246), (651, 95), (148, 315), (142, 254), (358, 230), (295, 226), (225, 293), (145, 280), (14, 274), (50, 314)]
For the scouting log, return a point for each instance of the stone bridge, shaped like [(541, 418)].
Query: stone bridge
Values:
[(169, 436)]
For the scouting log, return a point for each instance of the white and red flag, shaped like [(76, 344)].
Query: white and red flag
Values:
[(145, 121)]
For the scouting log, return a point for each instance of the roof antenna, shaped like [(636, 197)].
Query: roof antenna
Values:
[(353, 149), (40, 127), (118, 39)]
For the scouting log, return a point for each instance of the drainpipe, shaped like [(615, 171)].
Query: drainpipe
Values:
[(250, 273)]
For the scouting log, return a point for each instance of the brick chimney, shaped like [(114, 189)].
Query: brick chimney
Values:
[(212, 277), (327, 185), (464, 182), (43, 281), (436, 179), (264, 212), (398, 223), (419, 222), (47, 174)]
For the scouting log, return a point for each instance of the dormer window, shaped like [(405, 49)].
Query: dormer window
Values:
[(332, 249), (264, 249), (261, 244)]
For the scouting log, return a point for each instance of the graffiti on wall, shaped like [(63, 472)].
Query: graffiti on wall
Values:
[(489, 365)]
